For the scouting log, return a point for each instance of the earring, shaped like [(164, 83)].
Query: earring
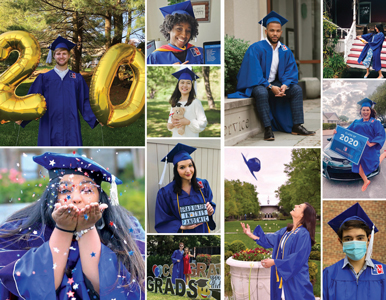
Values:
[(102, 225)]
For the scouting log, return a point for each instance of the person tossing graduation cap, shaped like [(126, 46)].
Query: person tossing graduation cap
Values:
[(190, 119), (66, 94), (269, 65), (357, 276), (179, 28), (181, 196)]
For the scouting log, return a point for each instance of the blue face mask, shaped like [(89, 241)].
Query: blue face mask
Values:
[(355, 249)]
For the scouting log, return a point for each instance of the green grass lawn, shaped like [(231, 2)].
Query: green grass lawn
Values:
[(158, 115), (133, 135)]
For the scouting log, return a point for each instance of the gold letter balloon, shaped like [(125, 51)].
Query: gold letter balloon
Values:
[(12, 107), (131, 109)]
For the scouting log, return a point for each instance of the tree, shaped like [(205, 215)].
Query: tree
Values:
[(240, 199), (303, 184), (379, 96), (206, 73), (343, 118)]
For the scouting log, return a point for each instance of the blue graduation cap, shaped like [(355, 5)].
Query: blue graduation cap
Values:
[(178, 153), (183, 8), (355, 212), (185, 73), (59, 164), (273, 17), (366, 102), (60, 42), (253, 164)]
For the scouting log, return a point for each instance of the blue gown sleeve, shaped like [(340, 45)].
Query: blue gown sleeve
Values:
[(367, 37), (174, 257), (325, 284), (209, 198), (37, 87), (165, 220), (378, 41), (290, 76), (292, 264), (84, 104), (379, 136), (151, 59), (269, 240)]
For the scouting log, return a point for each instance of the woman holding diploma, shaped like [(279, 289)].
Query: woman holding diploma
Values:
[(371, 128)]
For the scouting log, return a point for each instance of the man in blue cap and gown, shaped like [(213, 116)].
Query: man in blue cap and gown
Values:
[(65, 92), (269, 71), (357, 276)]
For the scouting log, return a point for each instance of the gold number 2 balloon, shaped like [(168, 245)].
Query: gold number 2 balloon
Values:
[(12, 107), (131, 109)]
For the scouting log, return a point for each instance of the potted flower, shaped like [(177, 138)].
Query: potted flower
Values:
[(249, 279)]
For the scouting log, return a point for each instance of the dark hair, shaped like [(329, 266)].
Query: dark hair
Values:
[(38, 216), (272, 22), (373, 113), (353, 224), (176, 96), (380, 28), (308, 221), (171, 20), (178, 181)]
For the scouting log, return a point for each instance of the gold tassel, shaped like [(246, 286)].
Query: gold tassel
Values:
[(281, 283), (277, 276)]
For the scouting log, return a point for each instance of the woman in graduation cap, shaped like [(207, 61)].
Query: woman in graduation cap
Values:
[(74, 242), (372, 128), (179, 28), (371, 52), (66, 94), (184, 96), (357, 276), (185, 189), (291, 245)]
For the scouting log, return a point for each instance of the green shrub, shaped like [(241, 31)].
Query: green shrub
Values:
[(315, 255), (328, 72), (228, 254), (228, 284), (233, 56), (204, 258), (327, 126), (281, 217), (226, 246), (316, 247), (237, 246), (216, 259), (157, 260), (313, 269)]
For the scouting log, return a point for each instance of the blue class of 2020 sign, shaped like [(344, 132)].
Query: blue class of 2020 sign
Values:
[(349, 144)]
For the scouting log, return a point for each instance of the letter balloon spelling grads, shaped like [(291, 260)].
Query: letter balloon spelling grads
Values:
[(179, 27), (66, 93), (357, 276), (185, 204), (75, 241)]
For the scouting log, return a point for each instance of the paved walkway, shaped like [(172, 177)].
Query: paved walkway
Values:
[(312, 114)]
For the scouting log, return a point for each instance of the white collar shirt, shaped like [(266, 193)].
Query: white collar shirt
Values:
[(275, 61), (61, 73)]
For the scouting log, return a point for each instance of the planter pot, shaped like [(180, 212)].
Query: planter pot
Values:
[(249, 280)]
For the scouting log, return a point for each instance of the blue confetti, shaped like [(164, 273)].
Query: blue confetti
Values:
[(93, 254), (131, 253), (85, 216)]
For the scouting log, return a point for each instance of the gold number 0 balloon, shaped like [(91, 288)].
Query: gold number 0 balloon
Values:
[(12, 107), (130, 110)]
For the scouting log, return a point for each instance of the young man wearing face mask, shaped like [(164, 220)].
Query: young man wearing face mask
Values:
[(357, 276)]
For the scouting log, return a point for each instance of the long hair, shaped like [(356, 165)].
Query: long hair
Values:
[(308, 221), (373, 113), (171, 20), (176, 96), (117, 238), (380, 28), (178, 180)]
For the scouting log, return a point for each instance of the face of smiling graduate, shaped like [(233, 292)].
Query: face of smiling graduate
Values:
[(298, 211), (180, 34), (185, 86), (78, 190), (61, 57), (365, 112), (273, 32), (185, 169)]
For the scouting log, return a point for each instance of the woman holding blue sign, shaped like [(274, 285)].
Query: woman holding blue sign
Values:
[(371, 128), (186, 191), (291, 245)]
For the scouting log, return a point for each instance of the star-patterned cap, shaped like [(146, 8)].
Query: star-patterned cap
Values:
[(59, 164), (183, 8)]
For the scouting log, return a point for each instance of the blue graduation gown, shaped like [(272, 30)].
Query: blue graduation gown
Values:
[(195, 56), (167, 216), (341, 284), (255, 70), (374, 130), (28, 274), (60, 125), (178, 267), (376, 46), (293, 268)]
